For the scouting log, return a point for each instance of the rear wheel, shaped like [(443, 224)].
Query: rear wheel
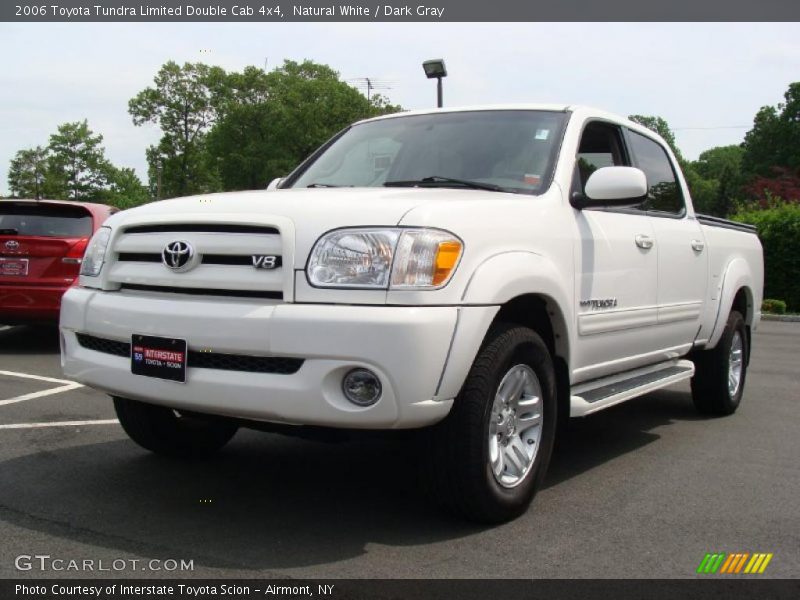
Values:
[(490, 454), (718, 382), (170, 433)]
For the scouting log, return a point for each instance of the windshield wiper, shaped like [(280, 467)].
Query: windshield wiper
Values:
[(9, 231), (321, 185), (435, 179)]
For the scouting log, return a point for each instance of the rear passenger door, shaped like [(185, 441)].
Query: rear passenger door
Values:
[(682, 256)]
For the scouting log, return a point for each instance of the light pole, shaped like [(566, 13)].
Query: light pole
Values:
[(435, 69)]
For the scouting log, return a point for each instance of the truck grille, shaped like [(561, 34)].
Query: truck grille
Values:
[(227, 256), (201, 228), (204, 360)]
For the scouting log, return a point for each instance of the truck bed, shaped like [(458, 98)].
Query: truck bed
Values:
[(725, 223)]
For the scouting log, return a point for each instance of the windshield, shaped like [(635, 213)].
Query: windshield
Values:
[(45, 220), (508, 150)]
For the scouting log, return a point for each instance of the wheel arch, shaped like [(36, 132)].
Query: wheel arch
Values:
[(738, 293), (522, 288)]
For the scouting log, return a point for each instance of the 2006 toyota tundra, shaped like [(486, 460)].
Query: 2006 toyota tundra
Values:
[(482, 273)]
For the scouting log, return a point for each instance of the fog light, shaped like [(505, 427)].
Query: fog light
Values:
[(362, 387)]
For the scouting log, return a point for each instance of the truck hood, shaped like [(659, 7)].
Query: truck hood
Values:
[(304, 214)]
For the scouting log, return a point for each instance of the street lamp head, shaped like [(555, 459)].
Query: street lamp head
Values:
[(434, 69)]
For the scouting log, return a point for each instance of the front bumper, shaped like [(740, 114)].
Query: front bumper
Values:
[(407, 347)]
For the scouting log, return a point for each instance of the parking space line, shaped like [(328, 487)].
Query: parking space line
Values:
[(33, 395), (37, 377), (59, 424), (65, 387)]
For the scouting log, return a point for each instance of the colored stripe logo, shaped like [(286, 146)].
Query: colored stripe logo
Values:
[(734, 563)]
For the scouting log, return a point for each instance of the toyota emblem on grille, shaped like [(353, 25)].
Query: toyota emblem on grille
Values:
[(178, 256), (12, 245)]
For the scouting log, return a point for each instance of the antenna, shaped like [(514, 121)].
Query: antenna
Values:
[(371, 83)]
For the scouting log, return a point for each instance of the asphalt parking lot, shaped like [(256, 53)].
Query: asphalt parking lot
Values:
[(644, 489)]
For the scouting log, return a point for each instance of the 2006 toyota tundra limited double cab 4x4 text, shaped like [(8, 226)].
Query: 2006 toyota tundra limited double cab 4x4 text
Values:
[(481, 273)]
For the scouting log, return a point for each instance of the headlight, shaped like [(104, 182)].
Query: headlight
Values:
[(384, 258), (96, 252)]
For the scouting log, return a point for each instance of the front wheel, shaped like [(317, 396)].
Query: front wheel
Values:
[(490, 455), (171, 433), (720, 373)]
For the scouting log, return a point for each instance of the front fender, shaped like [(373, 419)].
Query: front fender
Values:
[(505, 276), (496, 281)]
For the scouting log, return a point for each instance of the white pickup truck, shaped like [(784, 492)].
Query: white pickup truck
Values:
[(478, 273)]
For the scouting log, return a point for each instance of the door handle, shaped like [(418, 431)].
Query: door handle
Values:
[(697, 245), (645, 242)]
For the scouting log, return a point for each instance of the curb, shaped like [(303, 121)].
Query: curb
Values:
[(784, 318)]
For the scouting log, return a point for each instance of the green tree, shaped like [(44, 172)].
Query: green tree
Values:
[(271, 121), (716, 162), (77, 166), (184, 103), (704, 191), (126, 190), (27, 173), (779, 230), (719, 180), (774, 140)]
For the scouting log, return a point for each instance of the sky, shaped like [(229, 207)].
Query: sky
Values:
[(706, 80)]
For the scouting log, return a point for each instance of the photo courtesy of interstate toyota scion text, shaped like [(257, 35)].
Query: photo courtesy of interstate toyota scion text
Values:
[(480, 274)]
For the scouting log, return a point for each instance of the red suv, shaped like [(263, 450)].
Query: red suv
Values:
[(41, 247)]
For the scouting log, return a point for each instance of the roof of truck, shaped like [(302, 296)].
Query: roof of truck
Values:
[(481, 107), (586, 111)]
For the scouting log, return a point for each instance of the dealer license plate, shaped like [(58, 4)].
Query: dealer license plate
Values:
[(163, 358), (14, 266)]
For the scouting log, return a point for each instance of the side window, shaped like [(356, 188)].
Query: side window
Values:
[(664, 194), (601, 146)]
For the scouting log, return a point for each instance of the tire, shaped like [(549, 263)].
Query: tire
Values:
[(162, 431), (715, 388), (464, 450)]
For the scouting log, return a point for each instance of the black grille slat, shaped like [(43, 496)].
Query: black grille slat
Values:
[(139, 257), (204, 360), (104, 345), (203, 291), (227, 259), (242, 362), (202, 228), (245, 260)]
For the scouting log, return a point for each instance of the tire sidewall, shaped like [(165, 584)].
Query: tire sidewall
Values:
[(735, 324), (533, 353)]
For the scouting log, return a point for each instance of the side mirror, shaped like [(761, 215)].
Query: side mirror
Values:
[(273, 185), (612, 186)]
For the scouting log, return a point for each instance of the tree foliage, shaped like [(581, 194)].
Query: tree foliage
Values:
[(272, 121), (28, 172), (125, 188), (238, 130), (74, 167), (774, 140), (779, 230), (78, 169), (184, 103)]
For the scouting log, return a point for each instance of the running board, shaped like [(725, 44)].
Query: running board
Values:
[(587, 398)]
